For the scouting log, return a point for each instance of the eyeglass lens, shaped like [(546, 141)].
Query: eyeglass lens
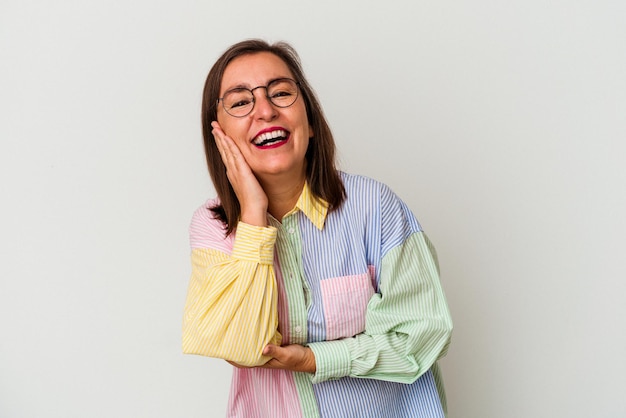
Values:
[(239, 102)]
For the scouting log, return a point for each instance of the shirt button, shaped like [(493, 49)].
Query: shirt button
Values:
[(291, 230), (298, 329)]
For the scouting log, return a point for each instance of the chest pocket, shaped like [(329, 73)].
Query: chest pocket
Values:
[(345, 304)]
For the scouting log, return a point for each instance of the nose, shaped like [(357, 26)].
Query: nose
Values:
[(263, 108)]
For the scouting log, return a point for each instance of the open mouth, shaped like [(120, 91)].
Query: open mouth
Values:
[(267, 139)]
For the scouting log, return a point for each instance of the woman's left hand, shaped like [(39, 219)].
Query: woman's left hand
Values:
[(292, 357)]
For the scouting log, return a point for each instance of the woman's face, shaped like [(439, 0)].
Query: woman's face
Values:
[(285, 153)]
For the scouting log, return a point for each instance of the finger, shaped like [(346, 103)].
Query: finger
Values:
[(228, 154), (270, 350), (217, 128), (219, 135), (273, 364), (229, 151), (221, 138), (225, 144)]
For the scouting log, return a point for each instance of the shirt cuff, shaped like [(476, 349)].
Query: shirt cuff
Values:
[(332, 360), (254, 243)]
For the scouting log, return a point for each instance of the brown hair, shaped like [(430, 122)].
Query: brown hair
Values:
[(321, 174)]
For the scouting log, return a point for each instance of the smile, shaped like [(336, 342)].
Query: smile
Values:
[(271, 138)]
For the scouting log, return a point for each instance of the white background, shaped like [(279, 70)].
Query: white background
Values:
[(501, 124)]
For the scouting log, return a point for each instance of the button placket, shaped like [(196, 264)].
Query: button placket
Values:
[(296, 288)]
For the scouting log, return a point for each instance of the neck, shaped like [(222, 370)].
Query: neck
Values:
[(282, 193)]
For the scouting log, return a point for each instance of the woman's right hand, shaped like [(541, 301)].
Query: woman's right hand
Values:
[(252, 198)]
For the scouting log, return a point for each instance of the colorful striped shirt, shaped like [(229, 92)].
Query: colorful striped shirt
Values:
[(359, 286)]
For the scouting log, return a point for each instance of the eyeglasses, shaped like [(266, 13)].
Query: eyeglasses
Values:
[(239, 102)]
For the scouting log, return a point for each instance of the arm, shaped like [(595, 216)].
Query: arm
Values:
[(408, 324), (231, 308)]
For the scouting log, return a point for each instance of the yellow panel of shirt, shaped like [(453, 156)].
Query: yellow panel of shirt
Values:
[(231, 308)]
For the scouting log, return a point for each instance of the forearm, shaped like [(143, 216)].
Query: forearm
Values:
[(231, 307), (392, 356), (408, 325)]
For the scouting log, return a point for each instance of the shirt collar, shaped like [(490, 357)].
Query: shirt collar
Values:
[(313, 207)]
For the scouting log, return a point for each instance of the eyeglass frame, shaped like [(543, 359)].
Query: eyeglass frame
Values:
[(297, 83)]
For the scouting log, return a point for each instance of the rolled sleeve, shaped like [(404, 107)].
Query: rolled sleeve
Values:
[(255, 243), (332, 360)]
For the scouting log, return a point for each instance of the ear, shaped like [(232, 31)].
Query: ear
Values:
[(311, 133)]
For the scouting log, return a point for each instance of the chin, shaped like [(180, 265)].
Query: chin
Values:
[(278, 168)]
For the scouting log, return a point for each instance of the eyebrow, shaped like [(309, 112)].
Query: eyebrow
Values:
[(247, 86)]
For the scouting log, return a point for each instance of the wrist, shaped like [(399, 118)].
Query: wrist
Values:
[(254, 217), (310, 364)]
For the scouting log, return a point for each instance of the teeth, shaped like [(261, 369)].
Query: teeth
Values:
[(268, 136)]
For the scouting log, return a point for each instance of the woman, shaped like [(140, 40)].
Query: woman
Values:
[(319, 286)]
